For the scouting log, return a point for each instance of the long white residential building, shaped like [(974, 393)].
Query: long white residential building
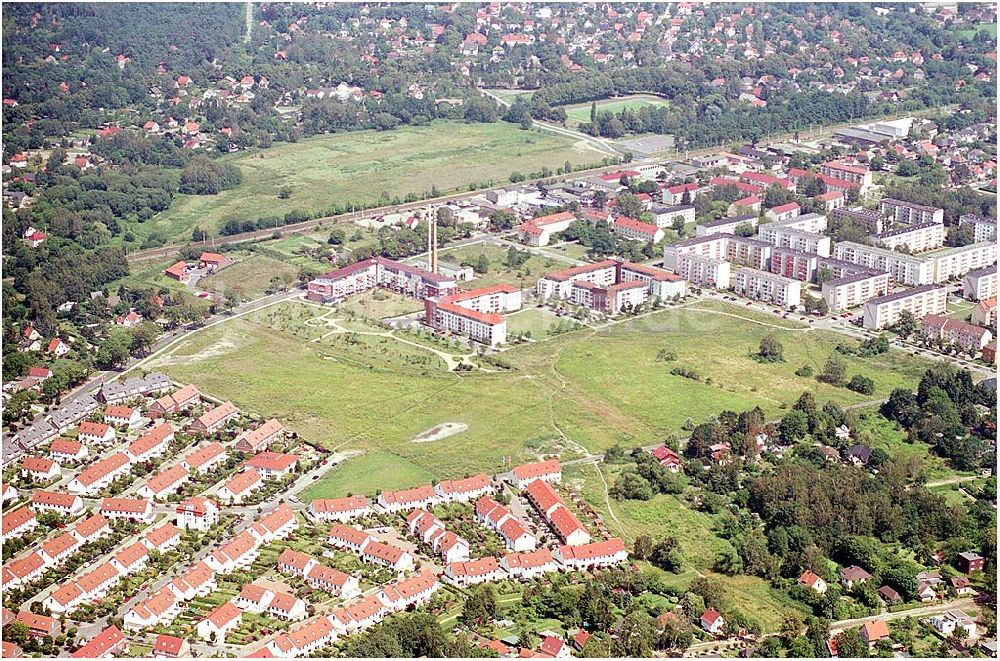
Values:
[(741, 250), (909, 212), (768, 287), (853, 290), (796, 239), (920, 301), (705, 271), (726, 225), (919, 237), (904, 269), (956, 262)]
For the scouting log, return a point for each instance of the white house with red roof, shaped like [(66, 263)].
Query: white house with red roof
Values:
[(346, 537), (19, 522), (407, 499), (133, 509), (104, 645), (595, 555), (39, 468), (339, 509), (95, 432), (254, 598), (465, 489), (387, 555), (65, 504), (131, 559), (667, 458), (64, 449), (333, 581), (813, 581), (471, 572), (413, 591), (712, 622), (239, 487), (529, 564), (197, 513), (220, 622), (165, 483), (273, 465), (151, 444), (286, 607), (205, 458), (122, 416), (171, 647), (549, 470), (99, 474), (58, 348), (163, 538), (555, 648)]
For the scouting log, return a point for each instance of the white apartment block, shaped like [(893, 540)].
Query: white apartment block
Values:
[(705, 271), (786, 237), (856, 174), (767, 287), (983, 228), (745, 251), (920, 301), (919, 237), (794, 264), (956, 262), (610, 285), (664, 216), (904, 269), (475, 314), (980, 284), (726, 225), (853, 290), (909, 212)]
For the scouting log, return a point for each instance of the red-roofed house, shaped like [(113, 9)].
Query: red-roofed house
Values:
[(220, 622), (522, 476)]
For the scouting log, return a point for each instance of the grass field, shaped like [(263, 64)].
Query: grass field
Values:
[(535, 320), (250, 277), (510, 95), (368, 473), (380, 304), (586, 389), (499, 272), (357, 167), (579, 113)]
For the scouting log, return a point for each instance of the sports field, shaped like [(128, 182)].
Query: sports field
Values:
[(578, 392), (328, 170), (579, 113)]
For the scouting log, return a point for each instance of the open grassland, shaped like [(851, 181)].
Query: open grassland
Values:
[(511, 95), (359, 167), (367, 474), (250, 277), (620, 366), (498, 272), (579, 113), (581, 391)]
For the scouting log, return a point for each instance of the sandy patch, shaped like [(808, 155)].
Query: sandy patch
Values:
[(437, 432)]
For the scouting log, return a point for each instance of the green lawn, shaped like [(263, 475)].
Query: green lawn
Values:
[(510, 95), (535, 320), (380, 304), (358, 167), (250, 277), (585, 388), (498, 272), (580, 112), (368, 473)]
